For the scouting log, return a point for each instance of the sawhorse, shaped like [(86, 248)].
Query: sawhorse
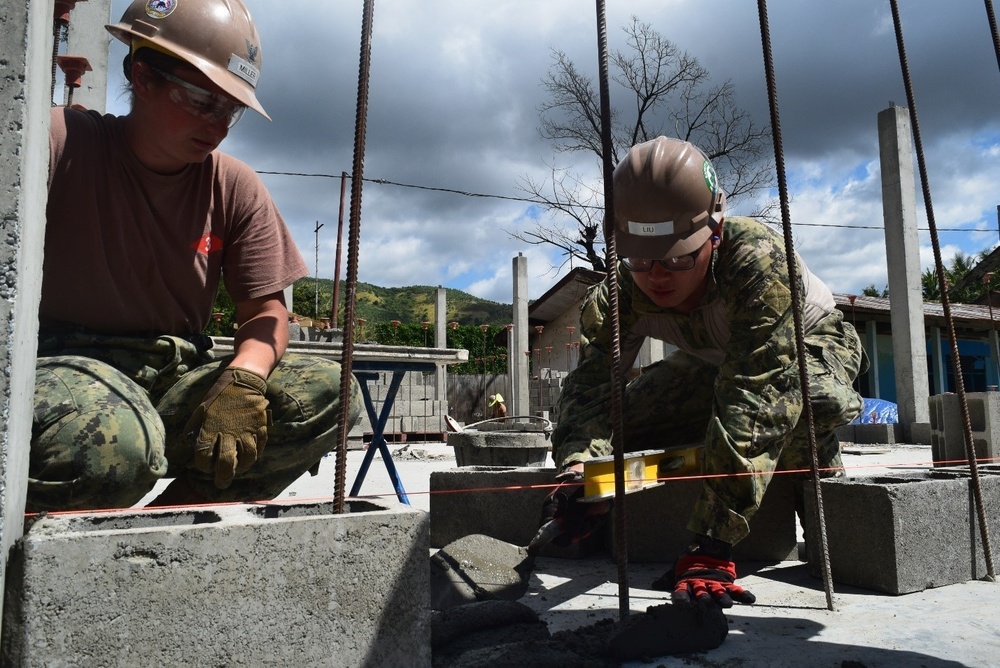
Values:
[(367, 371)]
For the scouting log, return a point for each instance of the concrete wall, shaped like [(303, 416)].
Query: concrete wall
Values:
[(25, 52)]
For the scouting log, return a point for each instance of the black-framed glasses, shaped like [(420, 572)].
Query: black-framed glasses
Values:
[(679, 263), (204, 103)]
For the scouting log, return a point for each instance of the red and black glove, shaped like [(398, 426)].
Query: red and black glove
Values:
[(565, 520), (703, 575)]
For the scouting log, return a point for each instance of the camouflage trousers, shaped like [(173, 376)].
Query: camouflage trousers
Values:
[(110, 411), (672, 403)]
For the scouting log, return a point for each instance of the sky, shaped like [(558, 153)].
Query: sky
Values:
[(454, 94)]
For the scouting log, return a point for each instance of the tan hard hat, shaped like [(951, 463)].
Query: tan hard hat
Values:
[(667, 200), (218, 37)]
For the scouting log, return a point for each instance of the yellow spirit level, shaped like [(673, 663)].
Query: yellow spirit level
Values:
[(643, 469)]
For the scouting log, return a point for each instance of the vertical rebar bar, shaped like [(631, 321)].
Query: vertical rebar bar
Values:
[(796, 286), (617, 388), (945, 300), (354, 237)]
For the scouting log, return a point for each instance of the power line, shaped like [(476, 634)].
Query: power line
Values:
[(532, 200)]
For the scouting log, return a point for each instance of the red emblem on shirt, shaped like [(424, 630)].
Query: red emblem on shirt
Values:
[(208, 244)]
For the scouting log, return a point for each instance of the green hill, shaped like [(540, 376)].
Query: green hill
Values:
[(411, 304)]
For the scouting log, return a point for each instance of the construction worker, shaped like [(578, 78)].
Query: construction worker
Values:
[(717, 288), (144, 218)]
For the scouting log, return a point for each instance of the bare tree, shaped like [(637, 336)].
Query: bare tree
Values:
[(672, 95)]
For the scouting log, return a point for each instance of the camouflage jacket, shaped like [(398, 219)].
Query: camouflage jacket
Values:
[(744, 326)]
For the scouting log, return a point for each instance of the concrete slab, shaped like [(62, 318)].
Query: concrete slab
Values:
[(269, 584), (789, 626)]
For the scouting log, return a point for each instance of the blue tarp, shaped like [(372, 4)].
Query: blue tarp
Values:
[(877, 411)]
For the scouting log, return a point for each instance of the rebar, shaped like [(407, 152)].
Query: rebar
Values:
[(796, 286), (617, 389), (945, 300), (353, 241)]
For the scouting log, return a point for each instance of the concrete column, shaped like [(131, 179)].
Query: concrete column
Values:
[(87, 37), (871, 338), (519, 363), (26, 52), (441, 341), (906, 309)]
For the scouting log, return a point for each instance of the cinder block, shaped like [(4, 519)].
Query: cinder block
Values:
[(903, 533), (656, 523), (502, 502), (948, 430), (228, 585), (920, 433), (506, 504), (878, 433)]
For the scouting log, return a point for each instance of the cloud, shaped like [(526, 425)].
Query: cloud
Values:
[(453, 99)]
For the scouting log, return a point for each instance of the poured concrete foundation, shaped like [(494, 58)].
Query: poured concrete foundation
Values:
[(229, 585), (905, 532)]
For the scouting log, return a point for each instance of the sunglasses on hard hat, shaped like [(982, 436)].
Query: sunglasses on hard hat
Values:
[(204, 103), (679, 263)]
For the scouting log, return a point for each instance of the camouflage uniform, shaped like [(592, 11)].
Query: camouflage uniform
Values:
[(110, 412), (733, 383)]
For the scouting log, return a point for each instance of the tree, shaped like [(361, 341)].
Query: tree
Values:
[(961, 265), (872, 291), (671, 94)]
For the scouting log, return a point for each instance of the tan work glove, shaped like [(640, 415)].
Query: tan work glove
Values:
[(230, 425)]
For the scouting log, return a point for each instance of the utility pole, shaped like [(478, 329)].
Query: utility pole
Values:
[(335, 316), (316, 309)]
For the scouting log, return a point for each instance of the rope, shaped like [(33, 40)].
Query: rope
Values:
[(617, 386), (353, 243), (945, 300), (796, 286)]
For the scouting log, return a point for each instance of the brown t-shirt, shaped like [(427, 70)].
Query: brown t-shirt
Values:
[(129, 251)]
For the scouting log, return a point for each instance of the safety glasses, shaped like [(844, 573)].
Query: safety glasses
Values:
[(679, 263), (203, 103)]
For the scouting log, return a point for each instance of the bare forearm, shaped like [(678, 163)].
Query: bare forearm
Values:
[(262, 336)]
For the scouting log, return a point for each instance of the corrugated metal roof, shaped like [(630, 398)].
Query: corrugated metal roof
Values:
[(934, 311), (570, 290)]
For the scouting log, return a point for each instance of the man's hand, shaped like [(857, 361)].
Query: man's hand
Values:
[(564, 519), (230, 425), (698, 577)]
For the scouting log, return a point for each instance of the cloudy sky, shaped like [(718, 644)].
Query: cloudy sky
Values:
[(455, 89)]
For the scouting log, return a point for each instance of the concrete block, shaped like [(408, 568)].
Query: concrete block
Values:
[(845, 433), (905, 532), (506, 503), (948, 431), (249, 585), (501, 502), (656, 523), (878, 433), (430, 424), (920, 433)]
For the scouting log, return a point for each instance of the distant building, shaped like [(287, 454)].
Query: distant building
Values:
[(557, 346)]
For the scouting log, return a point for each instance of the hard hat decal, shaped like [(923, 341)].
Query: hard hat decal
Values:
[(244, 70), (651, 229), (160, 9), (711, 180)]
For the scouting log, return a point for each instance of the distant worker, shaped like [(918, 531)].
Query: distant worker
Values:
[(145, 217), (717, 288), (497, 406)]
